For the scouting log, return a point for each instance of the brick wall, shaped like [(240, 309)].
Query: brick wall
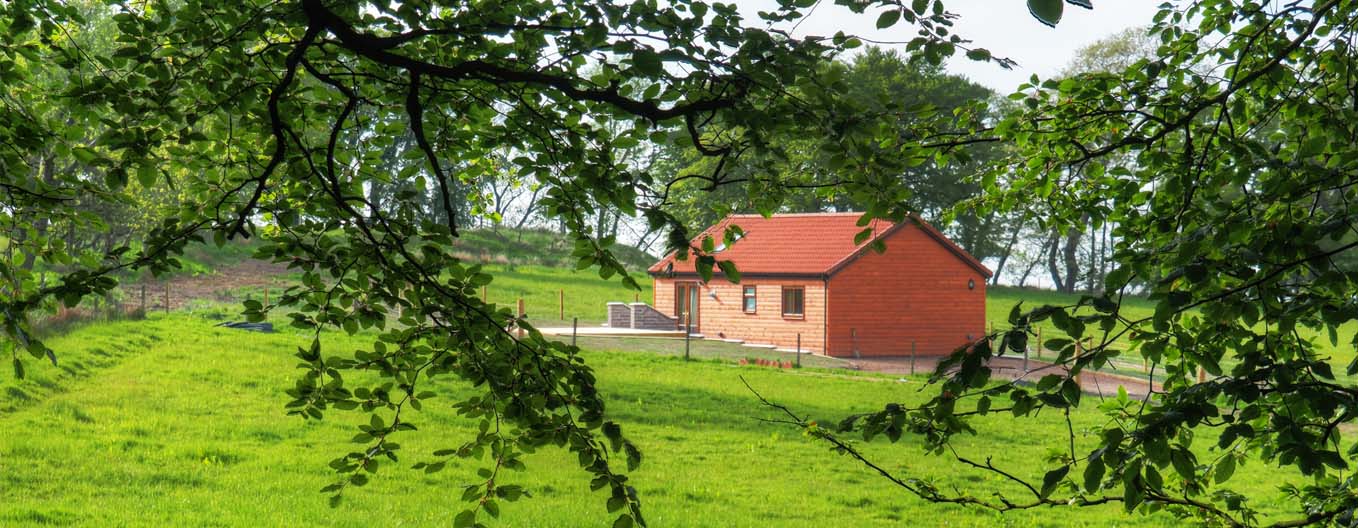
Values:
[(723, 316), (619, 315), (646, 318), (916, 291)]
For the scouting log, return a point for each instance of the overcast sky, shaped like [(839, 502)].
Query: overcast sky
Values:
[(1002, 26)]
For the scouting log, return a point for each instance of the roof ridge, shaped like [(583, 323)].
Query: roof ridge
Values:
[(786, 215), (813, 247)]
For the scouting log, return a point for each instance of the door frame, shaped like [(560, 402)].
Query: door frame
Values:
[(687, 295)]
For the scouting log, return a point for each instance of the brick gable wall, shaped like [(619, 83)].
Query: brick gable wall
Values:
[(916, 291)]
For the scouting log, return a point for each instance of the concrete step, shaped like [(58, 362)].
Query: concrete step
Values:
[(760, 345)]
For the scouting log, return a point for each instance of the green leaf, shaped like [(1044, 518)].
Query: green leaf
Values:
[(633, 456), (146, 175), (1016, 313), (1093, 475), (888, 18), (728, 268), (464, 519), (862, 236), (704, 267), (1052, 478), (647, 62), (1225, 468), (1046, 11), (85, 155), (1154, 480), (1183, 463)]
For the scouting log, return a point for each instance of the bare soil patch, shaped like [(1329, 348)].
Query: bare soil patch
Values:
[(224, 285)]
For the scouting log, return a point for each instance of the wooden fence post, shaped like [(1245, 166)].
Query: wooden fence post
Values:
[(1079, 351), (575, 326), (912, 357), (687, 332), (167, 296), (561, 302), (143, 299), (521, 313), (1039, 343), (1202, 375), (484, 298), (799, 350)]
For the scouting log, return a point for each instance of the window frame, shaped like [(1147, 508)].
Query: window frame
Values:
[(801, 298), (749, 299)]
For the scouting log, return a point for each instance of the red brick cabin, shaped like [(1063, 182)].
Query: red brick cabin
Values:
[(803, 274)]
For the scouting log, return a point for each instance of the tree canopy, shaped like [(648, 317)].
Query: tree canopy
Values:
[(349, 135), (1224, 164), (281, 119)]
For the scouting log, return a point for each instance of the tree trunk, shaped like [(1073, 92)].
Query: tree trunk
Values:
[(1071, 256), (1028, 271), (1052, 269), (1004, 255), (40, 224), (529, 210), (1091, 276)]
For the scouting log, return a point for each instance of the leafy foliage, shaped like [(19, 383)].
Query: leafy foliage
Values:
[(347, 136), (1224, 165)]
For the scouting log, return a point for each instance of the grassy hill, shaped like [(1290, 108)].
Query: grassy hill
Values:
[(537, 247), (171, 421), (505, 247)]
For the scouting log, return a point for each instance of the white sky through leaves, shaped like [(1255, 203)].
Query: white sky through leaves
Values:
[(1002, 26)]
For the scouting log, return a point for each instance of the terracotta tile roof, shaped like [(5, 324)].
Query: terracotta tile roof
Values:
[(799, 244)]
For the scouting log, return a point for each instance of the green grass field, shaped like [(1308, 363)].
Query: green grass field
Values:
[(171, 422), (540, 288)]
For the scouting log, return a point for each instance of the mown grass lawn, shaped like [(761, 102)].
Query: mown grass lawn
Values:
[(171, 422)]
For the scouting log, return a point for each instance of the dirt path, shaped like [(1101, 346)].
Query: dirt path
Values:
[(223, 285), (1012, 368)]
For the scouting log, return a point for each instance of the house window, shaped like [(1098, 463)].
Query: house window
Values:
[(794, 300), (748, 299)]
